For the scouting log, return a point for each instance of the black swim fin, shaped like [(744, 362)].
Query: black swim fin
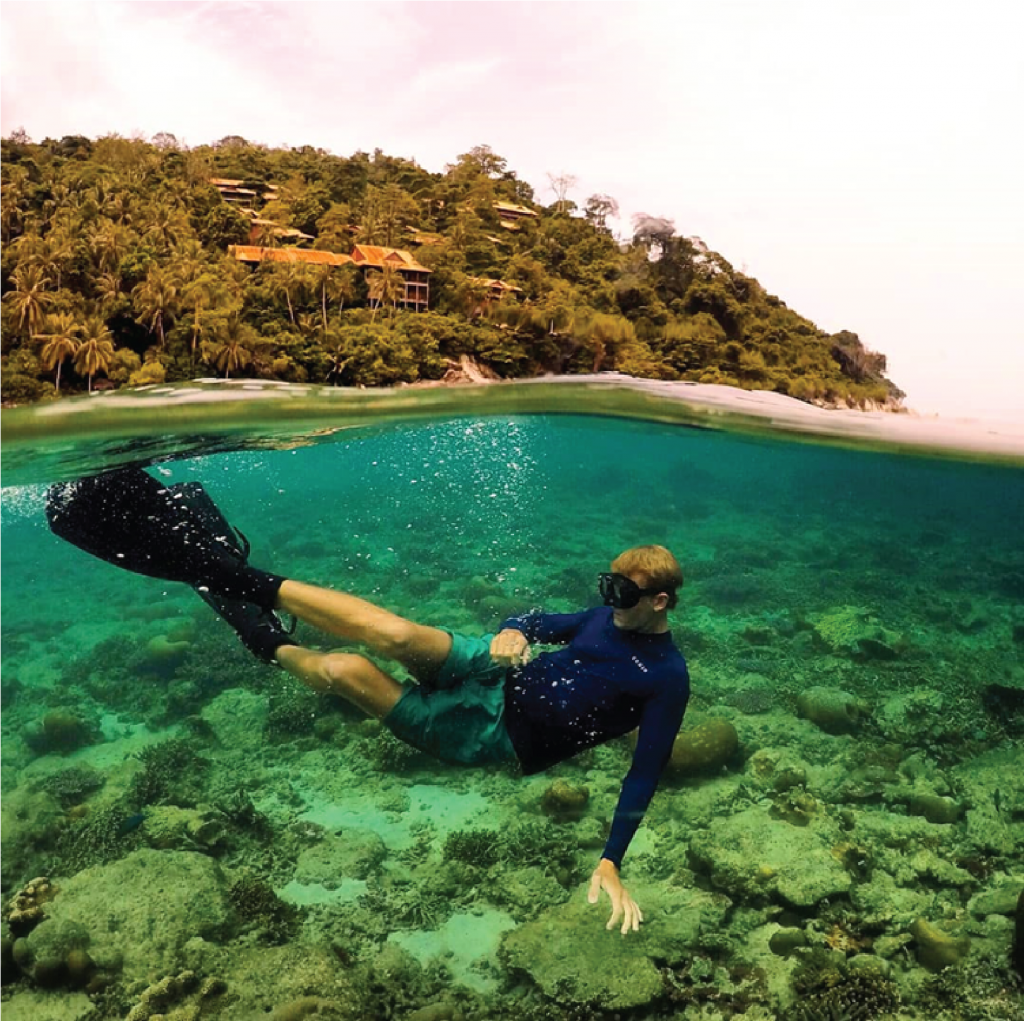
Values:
[(260, 631), (219, 531), (130, 519), (176, 533)]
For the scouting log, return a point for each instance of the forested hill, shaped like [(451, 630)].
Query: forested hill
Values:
[(119, 267)]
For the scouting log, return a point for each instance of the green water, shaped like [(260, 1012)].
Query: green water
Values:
[(220, 819)]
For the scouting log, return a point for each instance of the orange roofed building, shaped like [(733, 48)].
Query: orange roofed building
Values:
[(254, 253), (415, 276)]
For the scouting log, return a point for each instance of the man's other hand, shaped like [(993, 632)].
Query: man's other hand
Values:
[(510, 648), (606, 877)]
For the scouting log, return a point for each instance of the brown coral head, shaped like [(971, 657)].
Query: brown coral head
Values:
[(563, 800)]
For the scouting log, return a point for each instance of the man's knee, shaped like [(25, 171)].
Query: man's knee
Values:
[(340, 670), (399, 639)]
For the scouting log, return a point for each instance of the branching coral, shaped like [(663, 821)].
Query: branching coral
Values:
[(174, 772), (391, 755), (72, 786), (102, 837), (480, 848), (829, 990), (259, 907), (534, 843), (860, 996)]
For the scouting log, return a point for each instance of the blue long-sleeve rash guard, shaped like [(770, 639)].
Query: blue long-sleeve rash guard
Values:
[(603, 684)]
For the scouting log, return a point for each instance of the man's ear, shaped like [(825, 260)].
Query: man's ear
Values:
[(661, 601)]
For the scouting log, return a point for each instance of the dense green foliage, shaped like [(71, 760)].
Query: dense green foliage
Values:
[(115, 265)]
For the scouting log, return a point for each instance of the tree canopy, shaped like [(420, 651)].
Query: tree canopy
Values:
[(115, 263)]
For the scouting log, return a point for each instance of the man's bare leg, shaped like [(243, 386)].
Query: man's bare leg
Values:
[(352, 677), (420, 649)]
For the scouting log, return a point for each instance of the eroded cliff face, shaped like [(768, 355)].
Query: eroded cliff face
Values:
[(464, 369)]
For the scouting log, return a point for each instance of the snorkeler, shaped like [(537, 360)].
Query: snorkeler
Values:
[(476, 700)]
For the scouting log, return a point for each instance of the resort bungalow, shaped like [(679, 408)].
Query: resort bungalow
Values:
[(510, 215), (497, 289), (415, 276), (233, 191)]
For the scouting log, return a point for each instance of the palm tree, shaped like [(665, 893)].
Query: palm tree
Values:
[(290, 280), (166, 225), (109, 289), (109, 244), (96, 350), (386, 287), (119, 208), (197, 294), (233, 347), (334, 282), (60, 343), (15, 196), (29, 297), (195, 283), (55, 253), (155, 299)]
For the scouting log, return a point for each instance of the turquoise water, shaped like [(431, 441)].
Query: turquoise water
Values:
[(852, 610)]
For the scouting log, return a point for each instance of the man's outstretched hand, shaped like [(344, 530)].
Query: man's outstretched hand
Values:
[(606, 877), (510, 648)]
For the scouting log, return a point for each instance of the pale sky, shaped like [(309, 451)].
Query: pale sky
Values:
[(862, 159)]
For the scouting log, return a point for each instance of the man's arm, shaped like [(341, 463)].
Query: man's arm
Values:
[(547, 628), (511, 645), (658, 728)]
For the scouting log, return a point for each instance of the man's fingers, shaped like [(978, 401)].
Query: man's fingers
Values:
[(616, 912), (631, 916), (595, 889)]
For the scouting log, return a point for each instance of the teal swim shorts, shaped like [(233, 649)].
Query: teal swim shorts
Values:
[(460, 718)]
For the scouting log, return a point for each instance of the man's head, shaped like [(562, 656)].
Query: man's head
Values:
[(657, 575)]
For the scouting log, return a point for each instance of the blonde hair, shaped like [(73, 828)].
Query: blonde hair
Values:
[(656, 565)]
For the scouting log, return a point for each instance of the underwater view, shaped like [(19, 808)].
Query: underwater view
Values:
[(838, 835)]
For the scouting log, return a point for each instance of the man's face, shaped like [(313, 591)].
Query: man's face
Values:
[(645, 614)]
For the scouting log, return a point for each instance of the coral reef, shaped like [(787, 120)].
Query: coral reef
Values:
[(293, 711), (103, 836), (564, 801), (390, 755), (62, 731), (158, 999), (480, 848), (258, 907), (855, 996), (174, 771), (856, 632), (833, 710), (32, 824), (175, 896), (937, 949), (979, 990), (708, 746), (536, 843), (25, 911), (72, 786)]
